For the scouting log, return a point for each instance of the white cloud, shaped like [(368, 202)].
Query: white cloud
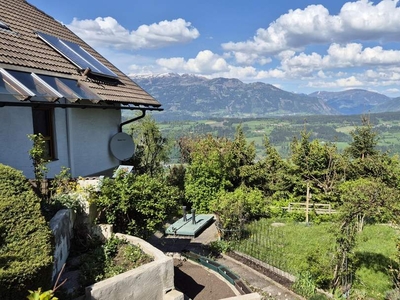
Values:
[(321, 74), (349, 82), (354, 55), (360, 20), (206, 62), (338, 56), (212, 65), (392, 91), (107, 32)]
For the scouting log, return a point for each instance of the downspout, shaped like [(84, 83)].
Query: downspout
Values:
[(69, 142), (132, 120)]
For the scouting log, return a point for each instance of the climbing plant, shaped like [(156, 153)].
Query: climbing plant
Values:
[(39, 160)]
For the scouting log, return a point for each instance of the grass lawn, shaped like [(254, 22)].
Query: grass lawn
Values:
[(288, 246)]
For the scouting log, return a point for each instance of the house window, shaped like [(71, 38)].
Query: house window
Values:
[(43, 123)]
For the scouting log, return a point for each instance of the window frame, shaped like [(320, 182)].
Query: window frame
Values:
[(49, 123)]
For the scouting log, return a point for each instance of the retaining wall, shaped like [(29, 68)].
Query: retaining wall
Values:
[(150, 281), (62, 227)]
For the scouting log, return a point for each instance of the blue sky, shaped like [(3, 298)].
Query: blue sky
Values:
[(300, 46)]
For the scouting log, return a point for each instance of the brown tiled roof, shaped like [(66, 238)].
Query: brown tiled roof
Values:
[(21, 49)]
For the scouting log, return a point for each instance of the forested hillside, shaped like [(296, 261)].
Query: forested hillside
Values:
[(281, 130)]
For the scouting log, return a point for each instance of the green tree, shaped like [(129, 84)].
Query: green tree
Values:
[(365, 161), (319, 165), (241, 154), (270, 174), (364, 140), (235, 208), (152, 149), (206, 173), (214, 165)]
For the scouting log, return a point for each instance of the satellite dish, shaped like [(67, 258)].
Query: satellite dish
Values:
[(122, 146)]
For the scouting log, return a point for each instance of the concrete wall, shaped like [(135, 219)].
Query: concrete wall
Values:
[(15, 124), (150, 281), (82, 138), (62, 227), (252, 296), (90, 133)]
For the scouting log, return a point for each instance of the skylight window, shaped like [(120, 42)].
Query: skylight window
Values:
[(71, 89), (35, 84), (77, 55), (11, 86), (4, 26)]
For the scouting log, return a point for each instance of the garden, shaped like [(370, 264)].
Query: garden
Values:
[(351, 251)]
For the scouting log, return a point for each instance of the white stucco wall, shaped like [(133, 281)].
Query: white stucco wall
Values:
[(15, 124), (90, 133), (82, 137)]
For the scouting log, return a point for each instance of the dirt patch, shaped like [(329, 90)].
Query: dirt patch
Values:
[(197, 283)]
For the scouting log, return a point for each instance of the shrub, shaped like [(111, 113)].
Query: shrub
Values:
[(233, 209), (218, 247), (25, 240), (64, 193), (111, 258), (12, 182), (136, 204)]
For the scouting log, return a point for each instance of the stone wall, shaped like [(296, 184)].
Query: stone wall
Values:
[(62, 227)]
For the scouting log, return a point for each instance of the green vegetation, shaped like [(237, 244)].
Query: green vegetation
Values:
[(136, 204), (39, 159), (360, 182), (26, 256), (310, 250), (281, 130), (248, 180), (105, 260), (98, 260), (152, 149), (39, 295)]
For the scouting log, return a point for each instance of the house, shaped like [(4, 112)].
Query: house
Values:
[(53, 83)]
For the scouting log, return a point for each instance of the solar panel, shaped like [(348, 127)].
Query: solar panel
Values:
[(77, 55)]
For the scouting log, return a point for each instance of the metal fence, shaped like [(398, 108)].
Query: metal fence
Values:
[(263, 242)]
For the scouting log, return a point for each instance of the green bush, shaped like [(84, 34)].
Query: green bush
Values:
[(12, 182), (235, 208), (26, 258), (113, 257), (136, 204)]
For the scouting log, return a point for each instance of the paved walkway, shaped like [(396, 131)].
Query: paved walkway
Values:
[(258, 282)]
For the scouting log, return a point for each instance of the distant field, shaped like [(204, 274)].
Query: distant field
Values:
[(282, 130)]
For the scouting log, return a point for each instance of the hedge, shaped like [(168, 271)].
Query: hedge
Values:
[(26, 252)]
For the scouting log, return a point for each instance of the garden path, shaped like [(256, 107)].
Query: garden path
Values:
[(191, 273)]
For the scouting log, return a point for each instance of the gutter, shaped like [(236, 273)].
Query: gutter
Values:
[(82, 106), (133, 120)]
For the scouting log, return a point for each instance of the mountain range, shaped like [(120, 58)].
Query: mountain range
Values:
[(188, 97)]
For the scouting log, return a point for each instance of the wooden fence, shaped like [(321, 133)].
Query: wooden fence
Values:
[(318, 208)]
